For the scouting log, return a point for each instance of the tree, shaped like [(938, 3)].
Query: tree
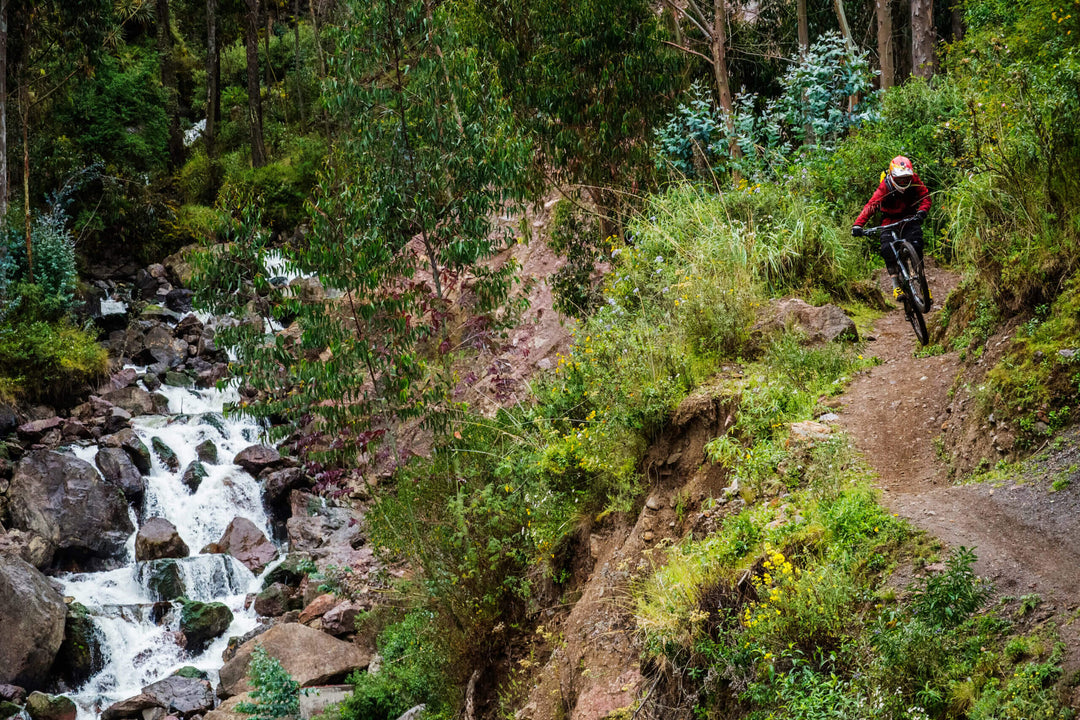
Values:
[(885, 42), (590, 80), (168, 81), (403, 212), (213, 84), (5, 190), (255, 114), (922, 38)]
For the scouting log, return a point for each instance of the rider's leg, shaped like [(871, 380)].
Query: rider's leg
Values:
[(913, 234), (889, 257)]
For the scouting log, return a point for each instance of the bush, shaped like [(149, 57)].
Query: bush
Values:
[(275, 693)]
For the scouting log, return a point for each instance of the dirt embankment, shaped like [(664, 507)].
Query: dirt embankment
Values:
[(907, 418)]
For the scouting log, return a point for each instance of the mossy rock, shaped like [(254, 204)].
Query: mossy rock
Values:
[(216, 421), (163, 579), (290, 571), (165, 453), (193, 475), (40, 706), (202, 622), (8, 709), (80, 654), (207, 452), (192, 673)]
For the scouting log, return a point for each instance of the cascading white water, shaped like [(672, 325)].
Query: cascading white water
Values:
[(139, 646)]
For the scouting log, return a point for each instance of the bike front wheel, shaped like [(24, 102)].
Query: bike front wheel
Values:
[(912, 266), (918, 324)]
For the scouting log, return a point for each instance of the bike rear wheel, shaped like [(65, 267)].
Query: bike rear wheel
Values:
[(912, 267), (918, 324)]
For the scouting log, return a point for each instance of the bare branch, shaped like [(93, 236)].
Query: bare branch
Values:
[(706, 58)]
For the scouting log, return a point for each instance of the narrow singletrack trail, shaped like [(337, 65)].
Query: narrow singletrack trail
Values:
[(895, 411)]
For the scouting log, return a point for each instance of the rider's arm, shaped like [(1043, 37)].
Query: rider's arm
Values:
[(874, 204), (922, 194)]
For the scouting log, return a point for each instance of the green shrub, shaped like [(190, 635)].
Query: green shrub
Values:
[(274, 693), (949, 597), (576, 238)]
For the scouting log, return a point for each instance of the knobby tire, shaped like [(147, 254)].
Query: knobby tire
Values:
[(913, 268), (918, 324)]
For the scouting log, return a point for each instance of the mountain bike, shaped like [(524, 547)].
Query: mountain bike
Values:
[(914, 292)]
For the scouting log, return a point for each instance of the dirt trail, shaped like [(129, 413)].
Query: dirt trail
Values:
[(1025, 537)]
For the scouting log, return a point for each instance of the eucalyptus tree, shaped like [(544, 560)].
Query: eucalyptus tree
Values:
[(401, 224)]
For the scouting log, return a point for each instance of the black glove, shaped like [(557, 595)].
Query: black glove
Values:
[(857, 231), (920, 215)]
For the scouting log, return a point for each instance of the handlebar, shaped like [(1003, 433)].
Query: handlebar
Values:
[(878, 230)]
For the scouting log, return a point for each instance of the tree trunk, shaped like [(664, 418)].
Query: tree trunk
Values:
[(922, 38), (841, 18), (251, 32), (5, 187), (957, 21), (24, 113), (299, 67), (885, 43), (322, 62), (168, 80), (213, 91), (720, 70), (804, 26)]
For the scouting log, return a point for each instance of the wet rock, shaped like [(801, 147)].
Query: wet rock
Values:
[(158, 539), (246, 543), (165, 454), (132, 708), (118, 419), (216, 421), (290, 571), (64, 500), (162, 578), (75, 430), (127, 440), (177, 379), (35, 430), (9, 420), (146, 284), (277, 484), (40, 706), (207, 452), (274, 601), (161, 347), (133, 399), (310, 656), (118, 468), (9, 709), (179, 300), (12, 693), (257, 458), (193, 475), (32, 617), (120, 379), (202, 622), (156, 313), (80, 654)]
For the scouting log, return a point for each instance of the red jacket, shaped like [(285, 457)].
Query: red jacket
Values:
[(896, 204)]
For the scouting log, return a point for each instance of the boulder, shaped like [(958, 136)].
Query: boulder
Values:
[(32, 617), (40, 706), (9, 709), (163, 578), (332, 526), (12, 693), (80, 654), (165, 454), (290, 571), (28, 546), (133, 399), (193, 475), (257, 458), (207, 452), (309, 656), (246, 543), (820, 324), (203, 622), (341, 619), (277, 484), (227, 709), (158, 539), (132, 708), (65, 501), (127, 440), (161, 347), (178, 266), (9, 420), (35, 430), (118, 468), (274, 601), (318, 607), (182, 696), (179, 300)]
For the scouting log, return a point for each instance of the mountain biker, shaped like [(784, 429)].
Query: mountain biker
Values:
[(901, 194)]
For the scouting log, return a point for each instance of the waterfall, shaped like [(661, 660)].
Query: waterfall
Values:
[(139, 635)]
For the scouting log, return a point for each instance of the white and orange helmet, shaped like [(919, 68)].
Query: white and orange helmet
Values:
[(900, 173)]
